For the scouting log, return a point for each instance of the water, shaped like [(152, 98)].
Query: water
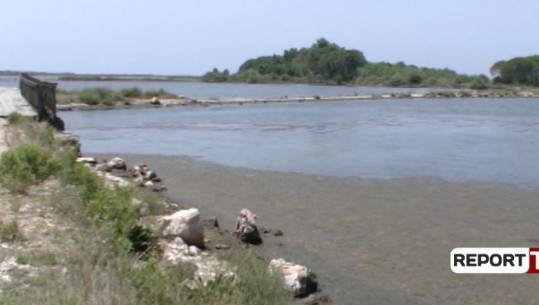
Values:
[(200, 90), (493, 140)]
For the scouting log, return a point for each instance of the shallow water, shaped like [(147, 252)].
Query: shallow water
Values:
[(493, 140)]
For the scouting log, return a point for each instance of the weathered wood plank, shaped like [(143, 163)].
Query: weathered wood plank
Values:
[(11, 101)]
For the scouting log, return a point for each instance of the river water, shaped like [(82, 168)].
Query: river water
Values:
[(491, 140)]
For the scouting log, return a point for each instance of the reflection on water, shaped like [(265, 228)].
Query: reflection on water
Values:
[(485, 140)]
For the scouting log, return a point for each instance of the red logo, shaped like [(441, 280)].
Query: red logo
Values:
[(534, 260)]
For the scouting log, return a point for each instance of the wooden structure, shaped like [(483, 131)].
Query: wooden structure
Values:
[(42, 96)]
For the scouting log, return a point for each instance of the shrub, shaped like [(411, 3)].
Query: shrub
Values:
[(131, 92), (24, 165), (10, 231), (96, 96), (14, 118), (111, 210)]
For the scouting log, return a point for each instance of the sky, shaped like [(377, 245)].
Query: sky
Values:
[(191, 37)]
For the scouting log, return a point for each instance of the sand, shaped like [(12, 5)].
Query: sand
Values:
[(370, 241)]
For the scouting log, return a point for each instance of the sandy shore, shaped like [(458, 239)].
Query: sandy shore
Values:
[(371, 241)]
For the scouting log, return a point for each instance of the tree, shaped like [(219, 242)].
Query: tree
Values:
[(518, 70)]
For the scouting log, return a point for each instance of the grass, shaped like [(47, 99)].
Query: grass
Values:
[(101, 265), (108, 97), (10, 231), (25, 165)]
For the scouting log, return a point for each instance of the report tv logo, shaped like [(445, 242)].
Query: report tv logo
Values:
[(495, 260)]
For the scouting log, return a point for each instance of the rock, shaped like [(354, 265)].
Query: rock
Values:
[(246, 229), (117, 163), (185, 224), (278, 232), (221, 247), (155, 101), (112, 181), (296, 278), (103, 167), (139, 180), (143, 208), (87, 160)]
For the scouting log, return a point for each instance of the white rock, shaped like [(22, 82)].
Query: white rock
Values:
[(117, 163), (87, 160), (185, 224), (111, 181), (296, 278), (155, 101)]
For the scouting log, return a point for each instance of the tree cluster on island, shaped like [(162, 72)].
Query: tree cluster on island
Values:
[(328, 63)]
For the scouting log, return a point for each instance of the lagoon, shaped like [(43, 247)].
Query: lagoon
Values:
[(490, 140)]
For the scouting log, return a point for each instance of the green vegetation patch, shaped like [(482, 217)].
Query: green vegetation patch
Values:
[(10, 231), (108, 97), (25, 165)]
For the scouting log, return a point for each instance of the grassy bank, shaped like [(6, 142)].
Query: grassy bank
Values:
[(69, 239), (107, 97)]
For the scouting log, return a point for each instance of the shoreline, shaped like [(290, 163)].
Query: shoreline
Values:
[(442, 95), (355, 232)]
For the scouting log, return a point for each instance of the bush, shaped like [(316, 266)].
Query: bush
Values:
[(10, 231), (14, 118), (98, 96), (25, 165)]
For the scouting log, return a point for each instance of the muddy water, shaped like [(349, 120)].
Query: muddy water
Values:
[(371, 241)]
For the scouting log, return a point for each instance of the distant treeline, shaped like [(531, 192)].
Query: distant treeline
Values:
[(328, 63), (517, 71)]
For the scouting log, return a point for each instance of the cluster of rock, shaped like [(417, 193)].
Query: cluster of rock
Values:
[(183, 241), (115, 172), (182, 238), (296, 278)]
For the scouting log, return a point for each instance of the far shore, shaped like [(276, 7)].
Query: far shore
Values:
[(169, 102)]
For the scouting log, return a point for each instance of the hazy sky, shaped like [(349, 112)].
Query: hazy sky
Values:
[(192, 37)]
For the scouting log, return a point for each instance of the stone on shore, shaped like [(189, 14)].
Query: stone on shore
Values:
[(185, 224), (246, 229), (87, 160), (296, 278), (155, 101), (117, 163)]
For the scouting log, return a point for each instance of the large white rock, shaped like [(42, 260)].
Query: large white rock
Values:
[(185, 224), (296, 278), (117, 163)]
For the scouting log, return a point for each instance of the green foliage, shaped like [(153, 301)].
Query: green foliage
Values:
[(322, 62), (107, 97), (107, 209), (24, 165), (10, 231), (400, 74), (255, 284), (111, 208), (215, 76), (518, 70), (97, 96), (14, 118)]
